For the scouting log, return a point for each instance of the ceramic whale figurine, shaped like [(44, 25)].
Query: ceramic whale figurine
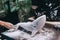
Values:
[(33, 27)]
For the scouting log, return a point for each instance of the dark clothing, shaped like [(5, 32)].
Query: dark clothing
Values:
[(58, 14), (43, 5), (41, 8), (11, 17)]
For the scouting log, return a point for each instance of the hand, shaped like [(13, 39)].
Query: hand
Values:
[(11, 30), (31, 18), (6, 24)]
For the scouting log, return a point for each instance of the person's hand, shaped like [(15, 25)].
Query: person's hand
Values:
[(31, 18), (6, 24)]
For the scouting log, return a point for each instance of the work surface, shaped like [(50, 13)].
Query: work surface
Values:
[(45, 34)]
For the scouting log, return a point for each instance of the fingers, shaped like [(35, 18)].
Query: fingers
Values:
[(6, 24)]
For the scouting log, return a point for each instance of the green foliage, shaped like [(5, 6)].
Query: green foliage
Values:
[(2, 11), (25, 6)]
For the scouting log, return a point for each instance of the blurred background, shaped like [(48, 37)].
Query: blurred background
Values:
[(15, 11)]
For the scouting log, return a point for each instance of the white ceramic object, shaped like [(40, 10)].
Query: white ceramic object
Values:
[(34, 27)]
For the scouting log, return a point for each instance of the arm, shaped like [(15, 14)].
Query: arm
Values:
[(6, 24)]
